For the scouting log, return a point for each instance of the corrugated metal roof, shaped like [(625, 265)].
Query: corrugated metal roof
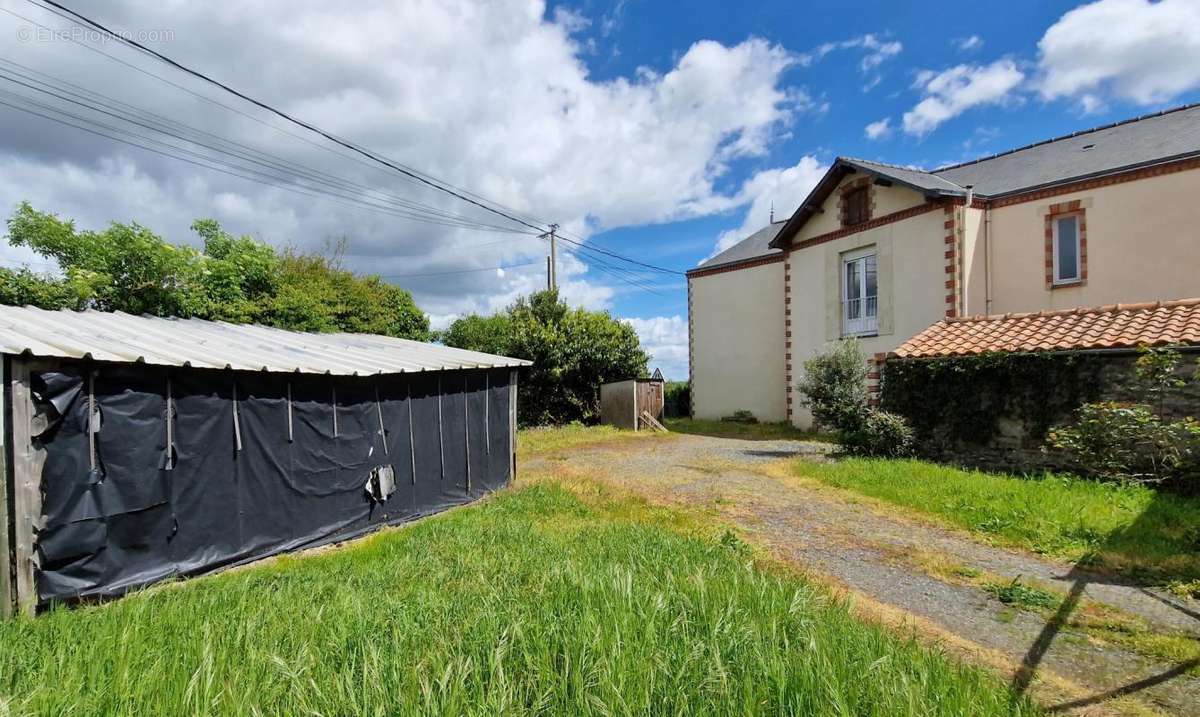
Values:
[(125, 338)]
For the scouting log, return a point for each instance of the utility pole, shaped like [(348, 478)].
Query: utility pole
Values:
[(552, 260)]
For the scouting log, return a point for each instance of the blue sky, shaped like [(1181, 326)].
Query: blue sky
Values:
[(662, 131)]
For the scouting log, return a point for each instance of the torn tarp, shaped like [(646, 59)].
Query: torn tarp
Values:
[(262, 463)]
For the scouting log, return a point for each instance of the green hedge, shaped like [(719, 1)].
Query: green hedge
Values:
[(677, 399), (960, 401)]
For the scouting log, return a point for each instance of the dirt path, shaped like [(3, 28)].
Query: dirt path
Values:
[(878, 554)]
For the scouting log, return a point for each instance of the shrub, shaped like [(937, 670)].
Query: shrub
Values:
[(1135, 441), (834, 387), (881, 434)]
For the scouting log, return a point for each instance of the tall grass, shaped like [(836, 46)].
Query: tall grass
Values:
[(1126, 529), (534, 602)]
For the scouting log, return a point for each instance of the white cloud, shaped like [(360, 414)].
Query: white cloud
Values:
[(1135, 50), (879, 129), (492, 96), (876, 51), (951, 92), (665, 338), (781, 188), (968, 44)]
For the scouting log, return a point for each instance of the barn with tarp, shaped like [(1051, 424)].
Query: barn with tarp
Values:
[(139, 449)]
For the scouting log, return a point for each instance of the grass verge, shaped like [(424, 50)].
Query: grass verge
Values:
[(1129, 530), (746, 431), (542, 600)]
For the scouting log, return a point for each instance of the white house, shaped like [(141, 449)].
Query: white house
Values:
[(880, 252)]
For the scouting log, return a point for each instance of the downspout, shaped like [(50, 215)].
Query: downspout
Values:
[(962, 254), (987, 258)]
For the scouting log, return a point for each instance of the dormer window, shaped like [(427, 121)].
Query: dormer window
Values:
[(856, 205)]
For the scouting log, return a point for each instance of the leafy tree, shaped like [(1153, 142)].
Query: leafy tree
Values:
[(126, 267), (573, 351), (490, 334), (316, 294), (22, 287)]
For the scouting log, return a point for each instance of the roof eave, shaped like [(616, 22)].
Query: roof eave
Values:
[(705, 268), (1091, 175)]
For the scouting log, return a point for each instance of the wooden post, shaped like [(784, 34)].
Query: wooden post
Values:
[(27, 477), (512, 421), (467, 426), (7, 599)]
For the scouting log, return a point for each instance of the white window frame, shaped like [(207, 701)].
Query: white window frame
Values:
[(1059, 280), (867, 324)]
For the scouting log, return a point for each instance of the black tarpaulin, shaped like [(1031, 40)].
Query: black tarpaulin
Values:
[(261, 463)]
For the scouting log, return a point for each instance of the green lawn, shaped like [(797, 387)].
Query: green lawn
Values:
[(749, 431), (537, 601), (1130, 530)]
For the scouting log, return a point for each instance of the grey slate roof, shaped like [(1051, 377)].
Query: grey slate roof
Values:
[(752, 247), (918, 179), (126, 338), (1145, 140)]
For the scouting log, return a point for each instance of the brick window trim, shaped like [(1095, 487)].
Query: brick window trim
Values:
[(846, 189), (1073, 208)]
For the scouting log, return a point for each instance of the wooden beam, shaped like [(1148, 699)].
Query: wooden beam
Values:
[(512, 421), (28, 459), (7, 597), (882, 182)]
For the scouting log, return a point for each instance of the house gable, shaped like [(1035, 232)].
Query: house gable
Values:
[(884, 200), (893, 193)]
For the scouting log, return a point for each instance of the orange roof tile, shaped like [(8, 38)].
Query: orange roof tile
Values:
[(1104, 327)]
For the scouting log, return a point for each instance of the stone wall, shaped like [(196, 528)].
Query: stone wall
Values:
[(1015, 447)]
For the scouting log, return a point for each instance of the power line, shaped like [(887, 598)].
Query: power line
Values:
[(413, 174), (201, 160), (460, 271), (270, 161), (284, 115), (217, 103), (606, 252)]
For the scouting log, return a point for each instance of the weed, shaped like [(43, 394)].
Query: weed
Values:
[(1018, 594)]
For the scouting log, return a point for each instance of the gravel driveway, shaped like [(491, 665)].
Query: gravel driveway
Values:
[(870, 552)]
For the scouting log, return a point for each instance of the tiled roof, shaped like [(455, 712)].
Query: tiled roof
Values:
[(1105, 327)]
